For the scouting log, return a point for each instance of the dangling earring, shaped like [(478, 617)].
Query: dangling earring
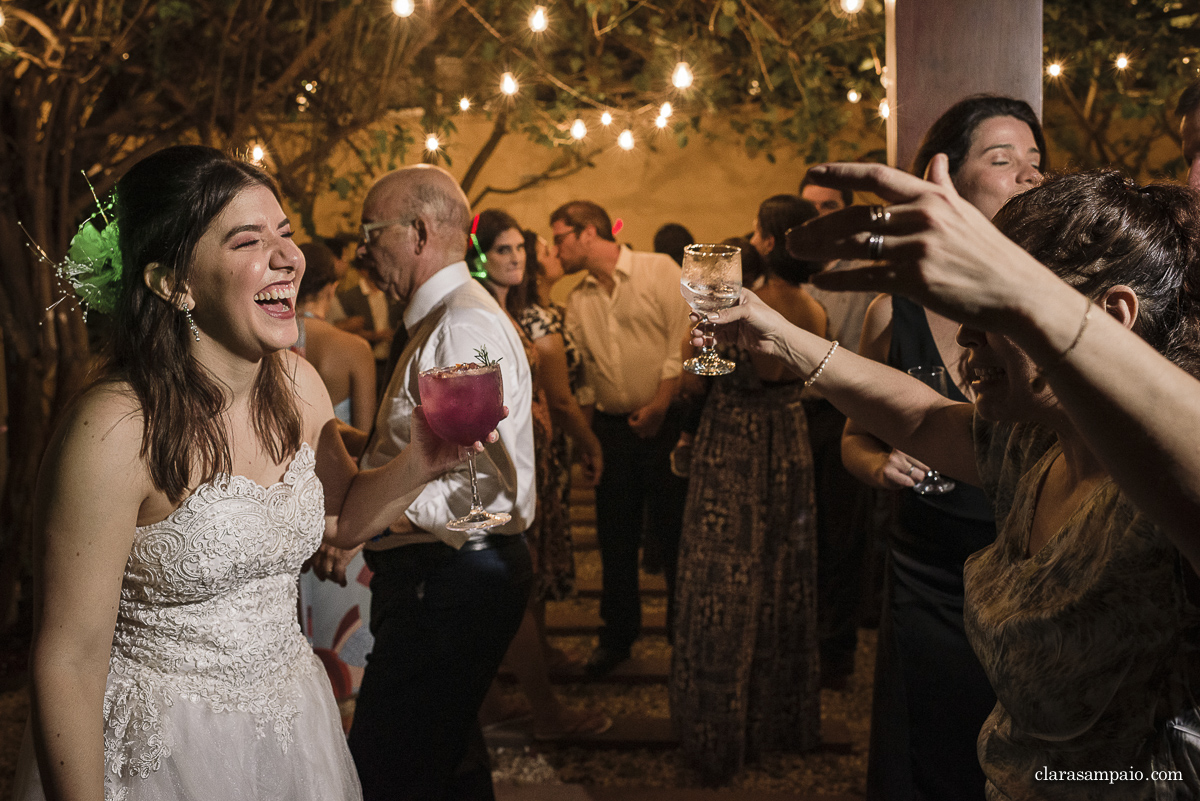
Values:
[(187, 313)]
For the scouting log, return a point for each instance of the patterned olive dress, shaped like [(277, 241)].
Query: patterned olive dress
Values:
[(550, 536), (745, 669), (1087, 642)]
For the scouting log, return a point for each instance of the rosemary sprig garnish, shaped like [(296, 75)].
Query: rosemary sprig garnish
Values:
[(481, 357)]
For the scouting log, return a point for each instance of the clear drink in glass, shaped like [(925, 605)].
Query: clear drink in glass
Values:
[(711, 280)]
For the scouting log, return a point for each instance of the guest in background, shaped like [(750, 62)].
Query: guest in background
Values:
[(380, 316), (850, 515), (444, 604), (499, 263), (671, 239), (825, 200), (627, 318), (344, 361), (745, 677), (931, 695)]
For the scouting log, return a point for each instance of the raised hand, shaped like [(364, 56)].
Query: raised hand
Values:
[(930, 245)]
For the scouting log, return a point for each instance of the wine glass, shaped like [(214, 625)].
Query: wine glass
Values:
[(711, 281), (463, 404), (934, 376)]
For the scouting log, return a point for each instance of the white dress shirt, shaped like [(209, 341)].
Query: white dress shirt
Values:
[(632, 339), (448, 318)]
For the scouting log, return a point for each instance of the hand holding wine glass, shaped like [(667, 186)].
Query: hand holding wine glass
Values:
[(934, 376), (711, 280), (463, 404)]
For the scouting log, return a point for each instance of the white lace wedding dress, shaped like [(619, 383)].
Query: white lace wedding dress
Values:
[(213, 692)]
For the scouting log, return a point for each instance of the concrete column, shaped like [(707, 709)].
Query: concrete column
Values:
[(940, 51)]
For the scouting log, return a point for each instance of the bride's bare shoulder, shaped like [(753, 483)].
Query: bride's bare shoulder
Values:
[(104, 422)]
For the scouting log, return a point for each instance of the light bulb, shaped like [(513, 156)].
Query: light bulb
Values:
[(403, 8), (606, 119), (310, 86), (852, 6), (661, 121), (431, 143), (885, 110), (666, 110), (257, 153), (537, 20), (1122, 61), (1, 17), (464, 104), (578, 129), (681, 78), (853, 96), (508, 84), (625, 140), (1054, 70)]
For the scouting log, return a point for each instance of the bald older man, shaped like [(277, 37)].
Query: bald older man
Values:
[(444, 605)]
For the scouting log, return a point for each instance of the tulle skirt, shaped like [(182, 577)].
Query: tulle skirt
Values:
[(231, 755)]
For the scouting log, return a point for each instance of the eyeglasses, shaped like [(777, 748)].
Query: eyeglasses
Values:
[(367, 228), (560, 238)]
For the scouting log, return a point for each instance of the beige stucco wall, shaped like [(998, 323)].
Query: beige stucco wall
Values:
[(712, 187)]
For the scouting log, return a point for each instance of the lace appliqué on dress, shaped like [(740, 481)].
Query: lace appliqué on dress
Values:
[(208, 615)]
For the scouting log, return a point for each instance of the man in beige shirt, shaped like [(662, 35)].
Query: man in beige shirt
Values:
[(629, 321)]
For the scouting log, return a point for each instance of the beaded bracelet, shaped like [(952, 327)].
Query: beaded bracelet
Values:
[(815, 374), (1039, 378)]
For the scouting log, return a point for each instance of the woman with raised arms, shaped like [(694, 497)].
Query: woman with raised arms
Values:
[(1085, 432)]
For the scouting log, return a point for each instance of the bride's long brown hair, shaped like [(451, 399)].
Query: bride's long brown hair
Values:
[(164, 206)]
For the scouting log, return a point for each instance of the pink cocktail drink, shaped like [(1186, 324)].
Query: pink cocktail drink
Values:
[(463, 403)]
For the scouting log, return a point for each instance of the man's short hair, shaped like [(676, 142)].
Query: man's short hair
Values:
[(579, 214), (847, 194), (1189, 101)]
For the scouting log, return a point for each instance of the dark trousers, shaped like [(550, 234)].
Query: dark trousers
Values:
[(442, 620), (637, 496), (842, 535)]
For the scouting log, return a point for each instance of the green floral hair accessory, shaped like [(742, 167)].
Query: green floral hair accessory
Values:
[(93, 263)]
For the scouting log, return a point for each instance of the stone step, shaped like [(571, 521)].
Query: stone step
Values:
[(567, 620), (652, 586), (636, 670), (583, 536), (643, 732)]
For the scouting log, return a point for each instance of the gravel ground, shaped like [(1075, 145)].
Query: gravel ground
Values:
[(829, 773)]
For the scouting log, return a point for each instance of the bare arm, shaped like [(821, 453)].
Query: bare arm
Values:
[(1139, 413), (564, 411), (91, 486), (895, 407), (868, 458)]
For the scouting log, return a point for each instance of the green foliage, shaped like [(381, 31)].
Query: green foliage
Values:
[(1097, 114)]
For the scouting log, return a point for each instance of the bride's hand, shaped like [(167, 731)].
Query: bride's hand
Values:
[(435, 455)]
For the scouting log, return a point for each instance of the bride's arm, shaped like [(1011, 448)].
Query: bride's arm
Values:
[(360, 504), (91, 485)]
